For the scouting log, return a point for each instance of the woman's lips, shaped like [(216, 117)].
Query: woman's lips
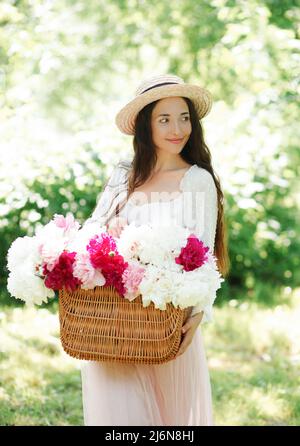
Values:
[(175, 141)]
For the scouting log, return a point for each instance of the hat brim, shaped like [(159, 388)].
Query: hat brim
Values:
[(202, 100)]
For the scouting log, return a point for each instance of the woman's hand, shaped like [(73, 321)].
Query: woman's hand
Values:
[(188, 330), (116, 226)]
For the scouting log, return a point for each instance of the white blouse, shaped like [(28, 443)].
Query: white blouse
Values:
[(195, 208)]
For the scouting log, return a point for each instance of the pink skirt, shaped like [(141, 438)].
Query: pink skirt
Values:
[(177, 393)]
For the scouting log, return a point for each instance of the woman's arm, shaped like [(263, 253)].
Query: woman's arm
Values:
[(206, 214), (114, 189), (205, 218)]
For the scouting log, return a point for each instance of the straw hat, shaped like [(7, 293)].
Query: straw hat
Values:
[(158, 87)]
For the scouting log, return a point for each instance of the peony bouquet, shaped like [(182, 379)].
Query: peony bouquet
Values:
[(177, 266), (164, 264)]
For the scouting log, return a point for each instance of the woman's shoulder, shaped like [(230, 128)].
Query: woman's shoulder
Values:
[(198, 178), (124, 164), (118, 174), (121, 169)]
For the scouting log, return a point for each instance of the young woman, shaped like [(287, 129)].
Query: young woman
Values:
[(169, 179)]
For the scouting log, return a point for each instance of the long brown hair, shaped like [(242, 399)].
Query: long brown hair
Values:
[(194, 152)]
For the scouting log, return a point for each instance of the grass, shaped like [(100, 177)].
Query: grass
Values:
[(254, 362), (40, 384), (253, 354)]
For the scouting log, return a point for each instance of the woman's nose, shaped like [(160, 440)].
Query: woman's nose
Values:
[(176, 129)]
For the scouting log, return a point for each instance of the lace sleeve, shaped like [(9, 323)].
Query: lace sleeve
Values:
[(113, 193), (205, 215)]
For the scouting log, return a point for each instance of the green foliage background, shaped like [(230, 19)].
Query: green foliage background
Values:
[(67, 66)]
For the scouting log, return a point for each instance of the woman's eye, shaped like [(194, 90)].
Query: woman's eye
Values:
[(166, 119)]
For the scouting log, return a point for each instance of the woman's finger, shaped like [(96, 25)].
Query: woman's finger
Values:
[(192, 321), (187, 339)]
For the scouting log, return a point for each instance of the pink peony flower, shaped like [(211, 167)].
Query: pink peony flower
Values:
[(67, 223), (104, 256), (193, 255), (132, 277), (84, 270), (62, 273), (101, 246), (113, 271), (50, 252)]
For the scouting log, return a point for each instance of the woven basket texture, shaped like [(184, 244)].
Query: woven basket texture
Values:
[(102, 325)]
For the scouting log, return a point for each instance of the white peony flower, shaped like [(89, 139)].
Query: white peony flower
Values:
[(138, 242), (198, 287), (128, 242), (28, 287), (24, 263), (52, 243), (156, 287), (82, 238), (20, 250)]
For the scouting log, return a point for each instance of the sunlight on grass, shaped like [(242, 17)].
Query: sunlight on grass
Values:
[(254, 361), (253, 356), (41, 383), (269, 405)]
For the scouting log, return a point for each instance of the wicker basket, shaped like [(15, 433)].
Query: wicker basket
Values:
[(101, 325)]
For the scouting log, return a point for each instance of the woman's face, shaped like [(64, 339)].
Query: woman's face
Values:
[(171, 120)]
